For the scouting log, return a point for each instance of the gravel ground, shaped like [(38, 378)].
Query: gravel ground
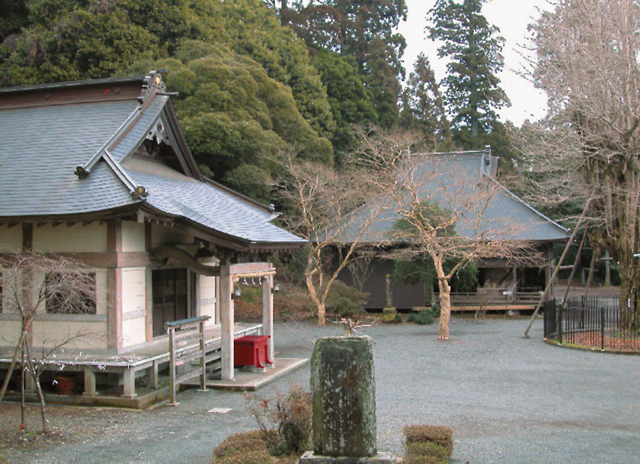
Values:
[(508, 400)]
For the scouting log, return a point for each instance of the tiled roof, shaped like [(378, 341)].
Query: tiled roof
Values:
[(449, 179), (41, 146), (179, 195)]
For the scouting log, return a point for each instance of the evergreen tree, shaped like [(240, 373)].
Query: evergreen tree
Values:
[(423, 107), (364, 29), (351, 102), (472, 87)]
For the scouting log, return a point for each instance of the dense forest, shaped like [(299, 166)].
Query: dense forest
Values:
[(257, 77)]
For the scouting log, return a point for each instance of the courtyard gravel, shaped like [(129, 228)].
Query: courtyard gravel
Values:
[(508, 400)]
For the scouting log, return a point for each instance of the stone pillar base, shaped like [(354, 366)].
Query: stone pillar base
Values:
[(381, 458)]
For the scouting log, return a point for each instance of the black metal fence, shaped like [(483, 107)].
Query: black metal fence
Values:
[(595, 322)]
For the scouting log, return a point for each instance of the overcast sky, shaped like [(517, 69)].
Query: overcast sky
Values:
[(512, 18)]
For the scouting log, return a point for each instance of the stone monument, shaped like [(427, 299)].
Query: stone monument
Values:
[(344, 403)]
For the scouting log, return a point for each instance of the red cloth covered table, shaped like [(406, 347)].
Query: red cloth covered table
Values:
[(251, 350)]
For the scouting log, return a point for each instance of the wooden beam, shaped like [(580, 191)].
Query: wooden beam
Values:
[(163, 252)]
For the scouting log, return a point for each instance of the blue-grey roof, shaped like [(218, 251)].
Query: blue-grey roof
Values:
[(452, 181), (41, 146)]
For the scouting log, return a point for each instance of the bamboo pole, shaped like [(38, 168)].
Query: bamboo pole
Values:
[(557, 269)]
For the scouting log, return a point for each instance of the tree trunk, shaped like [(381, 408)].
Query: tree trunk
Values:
[(12, 365), (316, 300), (445, 309), (628, 294), (35, 375), (445, 298), (22, 425)]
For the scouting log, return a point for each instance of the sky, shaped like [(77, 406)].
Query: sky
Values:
[(512, 18)]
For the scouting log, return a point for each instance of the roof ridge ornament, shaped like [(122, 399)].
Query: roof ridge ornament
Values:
[(151, 85)]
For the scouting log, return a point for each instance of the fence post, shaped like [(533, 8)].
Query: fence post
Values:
[(560, 307), (172, 366), (203, 359), (602, 327)]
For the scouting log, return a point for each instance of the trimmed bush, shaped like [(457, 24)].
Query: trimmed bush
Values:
[(423, 317), (389, 315), (249, 457), (424, 460), (442, 436), (242, 444), (427, 448)]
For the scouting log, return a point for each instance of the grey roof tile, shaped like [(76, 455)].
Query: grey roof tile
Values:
[(41, 147), (451, 180)]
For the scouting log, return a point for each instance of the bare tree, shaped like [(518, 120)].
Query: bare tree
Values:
[(35, 284), (441, 214), (322, 202), (587, 62)]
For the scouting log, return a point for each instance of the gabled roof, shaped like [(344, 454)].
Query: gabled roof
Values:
[(449, 180), (76, 149)]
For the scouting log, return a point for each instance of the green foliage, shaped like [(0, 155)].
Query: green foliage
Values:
[(73, 44), (365, 31), (254, 31), (350, 100), (442, 436), (427, 448), (15, 15), (344, 300), (389, 315), (423, 107), (472, 86), (234, 116), (422, 317)]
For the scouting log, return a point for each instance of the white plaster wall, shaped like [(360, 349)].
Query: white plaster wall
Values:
[(93, 335), (208, 298), (75, 239), (133, 306), (9, 332), (10, 238), (132, 236)]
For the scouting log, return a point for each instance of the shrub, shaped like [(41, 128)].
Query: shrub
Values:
[(423, 317), (399, 318), (427, 448), (389, 315), (285, 421), (424, 460), (442, 436), (248, 457), (345, 300), (240, 445)]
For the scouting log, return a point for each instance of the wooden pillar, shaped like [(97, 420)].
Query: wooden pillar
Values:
[(129, 386), (227, 321), (114, 287), (217, 297), (267, 312), (27, 297), (89, 382), (148, 286)]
